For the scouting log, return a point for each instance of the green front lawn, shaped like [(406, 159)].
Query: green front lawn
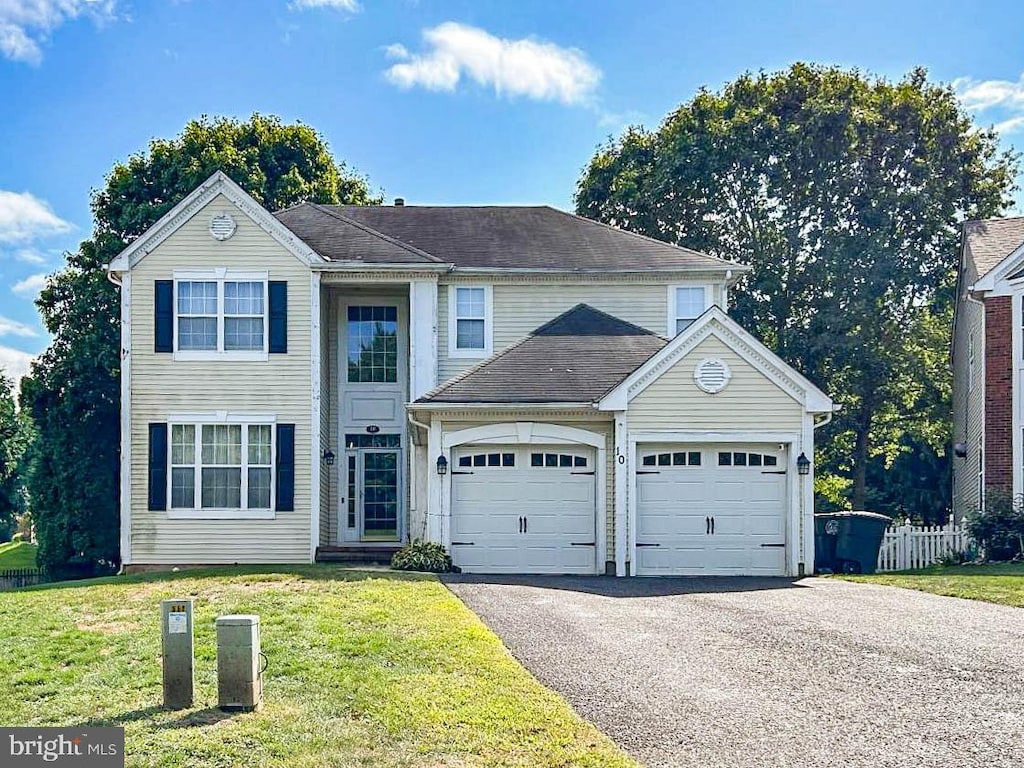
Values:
[(17, 554), (996, 583), (364, 670)]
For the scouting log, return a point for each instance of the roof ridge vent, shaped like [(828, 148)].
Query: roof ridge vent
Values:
[(399, 202)]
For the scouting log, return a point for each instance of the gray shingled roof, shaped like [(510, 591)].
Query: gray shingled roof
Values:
[(988, 242), (484, 236), (327, 231), (578, 357)]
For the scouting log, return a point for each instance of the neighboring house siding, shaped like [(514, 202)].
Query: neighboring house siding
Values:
[(749, 402), (999, 394), (328, 367), (160, 385), (605, 427), (968, 404), (520, 308)]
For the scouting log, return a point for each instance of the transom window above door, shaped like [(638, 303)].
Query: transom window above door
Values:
[(686, 304), (373, 344), (469, 321)]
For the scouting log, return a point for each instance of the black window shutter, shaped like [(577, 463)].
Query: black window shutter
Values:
[(277, 291), (285, 468), (158, 466), (164, 315)]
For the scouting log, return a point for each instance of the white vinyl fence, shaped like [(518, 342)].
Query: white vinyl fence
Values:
[(918, 546)]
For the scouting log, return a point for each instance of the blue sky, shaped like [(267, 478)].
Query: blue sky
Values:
[(436, 102)]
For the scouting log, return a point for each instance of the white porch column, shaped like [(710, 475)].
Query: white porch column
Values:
[(422, 337), (621, 460), (435, 531)]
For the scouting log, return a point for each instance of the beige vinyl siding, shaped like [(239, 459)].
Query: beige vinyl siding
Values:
[(521, 308), (749, 402), (603, 426), (968, 405), (160, 385)]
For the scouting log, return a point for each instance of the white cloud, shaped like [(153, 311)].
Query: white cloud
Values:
[(1012, 125), (14, 363), (24, 217), (979, 95), (25, 24), (352, 6), (527, 67), (30, 286), (29, 256), (998, 101), (10, 327)]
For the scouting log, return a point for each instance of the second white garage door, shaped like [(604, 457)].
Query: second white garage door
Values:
[(524, 509), (716, 510)]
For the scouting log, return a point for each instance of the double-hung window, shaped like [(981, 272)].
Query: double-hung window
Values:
[(470, 321), (685, 304), (220, 314), (222, 467)]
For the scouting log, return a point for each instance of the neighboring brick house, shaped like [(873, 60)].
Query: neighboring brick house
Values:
[(988, 358)]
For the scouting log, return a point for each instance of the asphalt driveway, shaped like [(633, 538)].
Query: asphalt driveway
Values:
[(766, 672)]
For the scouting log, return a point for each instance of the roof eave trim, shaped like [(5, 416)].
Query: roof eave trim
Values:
[(219, 183), (369, 266), (599, 270), (546, 405), (777, 370)]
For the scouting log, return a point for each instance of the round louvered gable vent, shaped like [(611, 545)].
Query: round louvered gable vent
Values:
[(712, 375), (222, 226)]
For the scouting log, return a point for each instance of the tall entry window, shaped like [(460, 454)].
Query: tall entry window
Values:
[(373, 344)]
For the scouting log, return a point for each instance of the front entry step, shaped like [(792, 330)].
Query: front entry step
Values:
[(378, 554)]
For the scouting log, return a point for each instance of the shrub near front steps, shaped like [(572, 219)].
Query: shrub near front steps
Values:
[(422, 556)]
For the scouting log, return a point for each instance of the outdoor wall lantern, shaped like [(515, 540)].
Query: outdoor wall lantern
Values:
[(960, 450), (329, 457), (803, 464), (442, 465)]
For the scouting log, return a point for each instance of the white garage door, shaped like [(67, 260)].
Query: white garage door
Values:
[(523, 509), (715, 510)]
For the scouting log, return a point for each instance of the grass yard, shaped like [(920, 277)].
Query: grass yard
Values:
[(17, 554), (364, 670), (996, 583)]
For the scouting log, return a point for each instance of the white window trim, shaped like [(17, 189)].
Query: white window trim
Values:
[(220, 275), (488, 348), (670, 324), (244, 420)]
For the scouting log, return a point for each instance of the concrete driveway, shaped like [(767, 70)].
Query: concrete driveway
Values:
[(770, 672)]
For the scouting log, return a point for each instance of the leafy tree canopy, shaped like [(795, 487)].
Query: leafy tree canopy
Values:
[(844, 193), (73, 392)]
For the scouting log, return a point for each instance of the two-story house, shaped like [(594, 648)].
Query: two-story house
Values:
[(988, 357), (538, 392)]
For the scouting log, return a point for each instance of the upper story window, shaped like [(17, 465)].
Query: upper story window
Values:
[(373, 344), (469, 321), (220, 314), (685, 304)]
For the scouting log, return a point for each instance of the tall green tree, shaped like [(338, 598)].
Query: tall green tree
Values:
[(73, 392), (844, 193), (14, 436)]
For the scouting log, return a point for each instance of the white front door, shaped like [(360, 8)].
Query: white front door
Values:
[(524, 509), (712, 510)]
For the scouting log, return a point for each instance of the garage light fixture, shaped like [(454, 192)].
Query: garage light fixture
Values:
[(328, 457), (442, 465), (803, 464)]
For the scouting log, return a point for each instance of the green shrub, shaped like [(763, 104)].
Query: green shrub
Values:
[(999, 528), (422, 556)]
